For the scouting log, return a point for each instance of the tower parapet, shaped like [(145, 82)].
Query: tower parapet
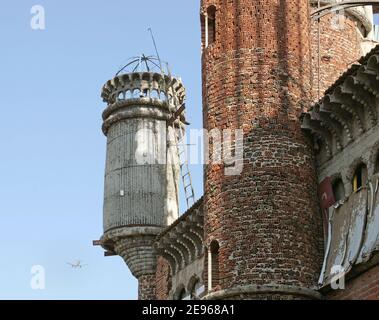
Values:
[(142, 167)]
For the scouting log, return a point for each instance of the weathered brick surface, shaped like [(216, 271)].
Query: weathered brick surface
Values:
[(257, 77), (146, 287), (363, 287), (162, 279), (340, 46)]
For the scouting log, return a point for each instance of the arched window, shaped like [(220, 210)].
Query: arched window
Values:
[(208, 27), (213, 265), (211, 24), (121, 96), (136, 93), (154, 94), (360, 177), (338, 190), (128, 94)]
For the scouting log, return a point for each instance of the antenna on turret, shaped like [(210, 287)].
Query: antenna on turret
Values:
[(179, 138), (156, 49)]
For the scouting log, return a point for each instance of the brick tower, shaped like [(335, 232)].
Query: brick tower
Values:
[(142, 169), (341, 37), (264, 223)]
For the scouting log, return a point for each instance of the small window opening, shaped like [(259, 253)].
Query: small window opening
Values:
[(154, 94), (208, 27), (128, 94), (360, 177), (213, 265), (338, 190), (136, 93), (211, 25), (121, 96)]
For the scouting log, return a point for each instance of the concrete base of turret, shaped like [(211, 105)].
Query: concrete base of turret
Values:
[(135, 246)]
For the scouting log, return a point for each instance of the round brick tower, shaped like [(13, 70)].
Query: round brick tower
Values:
[(265, 222), (142, 168), (341, 37)]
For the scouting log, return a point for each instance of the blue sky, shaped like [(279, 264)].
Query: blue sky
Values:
[(51, 145)]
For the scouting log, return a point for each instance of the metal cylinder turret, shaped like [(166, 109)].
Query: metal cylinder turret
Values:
[(142, 167)]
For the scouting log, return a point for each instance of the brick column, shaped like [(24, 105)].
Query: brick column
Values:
[(257, 77)]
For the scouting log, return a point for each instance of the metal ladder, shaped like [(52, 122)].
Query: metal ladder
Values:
[(184, 169), (182, 155)]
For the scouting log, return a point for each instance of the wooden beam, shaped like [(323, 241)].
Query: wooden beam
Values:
[(176, 114), (96, 242)]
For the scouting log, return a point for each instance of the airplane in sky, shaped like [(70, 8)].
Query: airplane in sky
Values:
[(77, 264)]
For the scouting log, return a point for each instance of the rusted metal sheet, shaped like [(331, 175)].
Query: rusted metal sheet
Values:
[(346, 231), (357, 206), (335, 254), (371, 237), (353, 232)]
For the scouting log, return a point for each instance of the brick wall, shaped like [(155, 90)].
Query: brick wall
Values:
[(363, 287), (146, 287), (259, 74), (340, 46), (257, 77), (163, 279)]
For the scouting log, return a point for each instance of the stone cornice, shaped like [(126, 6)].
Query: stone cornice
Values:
[(182, 242), (348, 109)]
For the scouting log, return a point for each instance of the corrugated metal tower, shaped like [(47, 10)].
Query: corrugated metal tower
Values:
[(142, 167)]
